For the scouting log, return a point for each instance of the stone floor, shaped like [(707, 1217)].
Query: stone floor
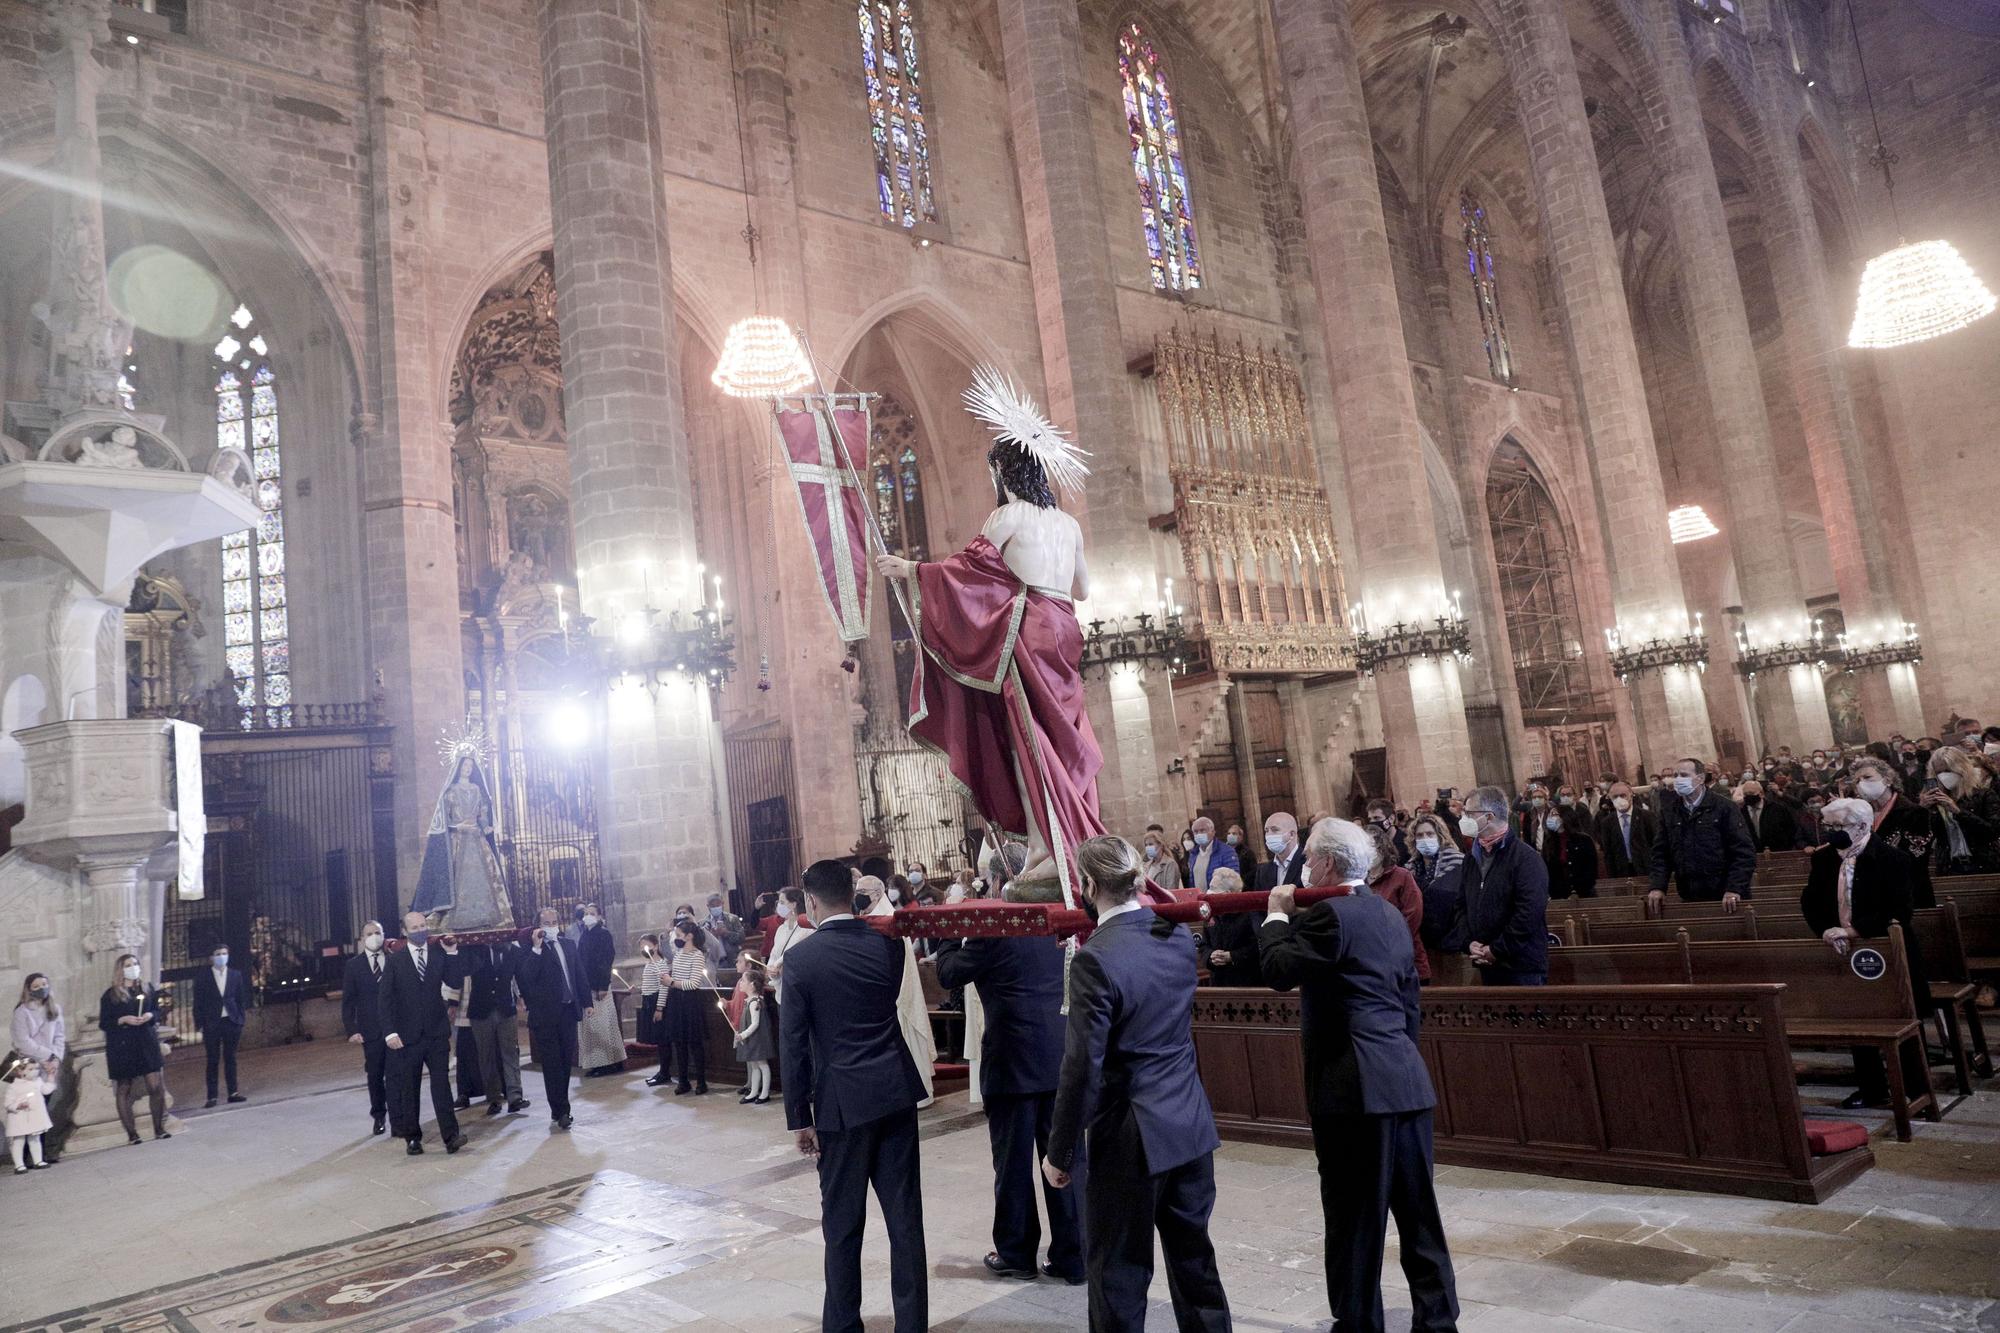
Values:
[(664, 1212)]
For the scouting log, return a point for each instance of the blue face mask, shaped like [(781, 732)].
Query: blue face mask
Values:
[(1201, 839), (219, 960), (417, 939), (1275, 842)]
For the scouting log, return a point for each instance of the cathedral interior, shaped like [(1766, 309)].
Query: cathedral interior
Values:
[(1467, 386)]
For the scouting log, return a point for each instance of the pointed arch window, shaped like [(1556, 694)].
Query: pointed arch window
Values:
[(898, 119), (256, 629), (1486, 288), (1166, 206)]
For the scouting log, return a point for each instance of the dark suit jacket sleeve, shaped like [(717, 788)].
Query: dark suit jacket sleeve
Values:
[(1657, 877), (962, 962), (795, 1042), (350, 997), (1739, 849), (1287, 948), (1083, 1056), (388, 997)]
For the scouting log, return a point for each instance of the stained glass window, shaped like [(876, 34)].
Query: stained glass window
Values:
[(1166, 208), (1485, 288), (896, 112), (256, 632)]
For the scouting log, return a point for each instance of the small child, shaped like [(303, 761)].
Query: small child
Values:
[(23, 1087), (755, 1044)]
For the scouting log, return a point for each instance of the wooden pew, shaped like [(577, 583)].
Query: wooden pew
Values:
[(1675, 1087), (1828, 1006), (1646, 964), (1738, 926)]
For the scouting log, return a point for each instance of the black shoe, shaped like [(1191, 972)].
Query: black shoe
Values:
[(561, 1122), (163, 1133), (378, 1126), (454, 1143), (761, 1101), (132, 1139), (519, 1104), (998, 1268), (743, 1091), (238, 1097), (40, 1166), (657, 1082), (462, 1104), (208, 1105), (701, 1089), (1858, 1100), (494, 1108), (415, 1148), (682, 1090), (1049, 1270)]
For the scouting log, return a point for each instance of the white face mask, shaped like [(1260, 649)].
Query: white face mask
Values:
[(1993, 747), (1683, 785), (589, 918), (1427, 846), (372, 943), (1948, 781), (1186, 845), (1871, 789), (1469, 826), (1621, 803), (895, 895), (785, 909), (132, 972), (1274, 842)]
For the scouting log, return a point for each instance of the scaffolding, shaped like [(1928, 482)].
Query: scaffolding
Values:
[(1537, 593)]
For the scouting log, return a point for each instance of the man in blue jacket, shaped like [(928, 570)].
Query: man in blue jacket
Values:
[(1705, 846), (1020, 983), (851, 1095), (1499, 915), (1129, 1080), (1367, 1090)]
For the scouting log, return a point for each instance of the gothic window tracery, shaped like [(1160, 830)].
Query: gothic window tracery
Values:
[(1159, 166), (898, 117), (1485, 288), (256, 632)]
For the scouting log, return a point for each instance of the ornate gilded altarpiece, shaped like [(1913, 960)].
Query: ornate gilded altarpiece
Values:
[(1264, 592)]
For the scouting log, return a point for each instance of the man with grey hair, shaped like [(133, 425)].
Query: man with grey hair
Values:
[(1368, 1093), (1209, 855), (1498, 914)]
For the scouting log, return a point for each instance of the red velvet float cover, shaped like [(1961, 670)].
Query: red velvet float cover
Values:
[(1827, 1137)]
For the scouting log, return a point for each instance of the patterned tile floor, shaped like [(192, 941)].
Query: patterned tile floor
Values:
[(664, 1212)]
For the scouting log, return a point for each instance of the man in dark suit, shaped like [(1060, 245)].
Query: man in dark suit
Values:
[(550, 975), (1231, 954), (487, 991), (418, 1037), (1626, 832), (221, 1005), (851, 1094), (1705, 847), (1773, 827), (1367, 1089), (361, 1015), (1020, 983), (1129, 1080)]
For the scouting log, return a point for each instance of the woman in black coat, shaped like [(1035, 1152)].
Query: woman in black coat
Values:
[(129, 1013), (600, 1041), (1571, 854), (1883, 889)]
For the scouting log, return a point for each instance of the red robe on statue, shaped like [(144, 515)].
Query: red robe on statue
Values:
[(999, 683)]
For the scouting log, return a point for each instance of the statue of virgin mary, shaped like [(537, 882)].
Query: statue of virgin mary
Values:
[(461, 880)]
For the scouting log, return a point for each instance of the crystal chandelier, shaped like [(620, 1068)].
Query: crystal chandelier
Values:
[(1689, 523), (761, 358), (1913, 292)]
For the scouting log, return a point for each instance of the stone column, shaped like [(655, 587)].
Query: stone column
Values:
[(1791, 703), (628, 452), (1668, 706), (1816, 353), (807, 673), (1347, 247), (1303, 747), (408, 543), (1083, 366)]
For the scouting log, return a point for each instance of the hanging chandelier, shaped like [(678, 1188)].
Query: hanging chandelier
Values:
[(1916, 291), (761, 358), (1689, 523)]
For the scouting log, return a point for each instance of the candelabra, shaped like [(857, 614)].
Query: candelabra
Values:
[(1657, 652), (1807, 651), (1858, 656), (650, 647), (1139, 639), (1445, 634)]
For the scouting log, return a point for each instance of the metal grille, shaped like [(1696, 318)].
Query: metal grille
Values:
[(763, 799), (910, 802), (1536, 591), (548, 832)]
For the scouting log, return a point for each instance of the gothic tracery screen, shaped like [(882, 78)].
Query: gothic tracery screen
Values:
[(1485, 288), (1166, 207), (256, 632), (896, 112), (1264, 584)]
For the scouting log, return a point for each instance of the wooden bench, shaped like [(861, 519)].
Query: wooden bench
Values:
[(1645, 964), (1828, 1006), (1737, 926), (1673, 1087)]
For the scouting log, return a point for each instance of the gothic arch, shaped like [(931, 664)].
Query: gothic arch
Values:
[(931, 310)]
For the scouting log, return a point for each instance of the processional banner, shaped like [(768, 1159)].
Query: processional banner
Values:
[(826, 438)]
